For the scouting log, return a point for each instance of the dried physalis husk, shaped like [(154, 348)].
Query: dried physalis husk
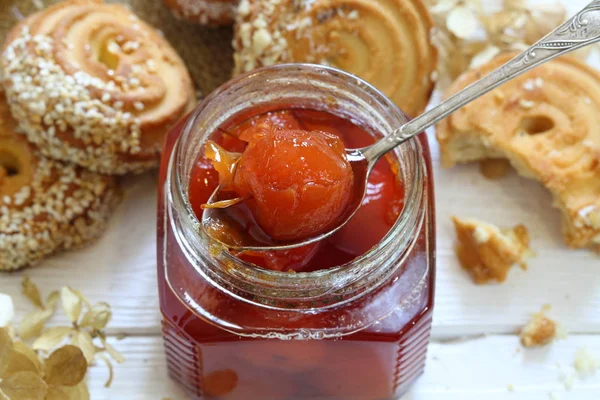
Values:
[(7, 310), (71, 302), (24, 385), (66, 367)]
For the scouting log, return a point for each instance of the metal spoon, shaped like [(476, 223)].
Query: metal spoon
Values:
[(581, 30)]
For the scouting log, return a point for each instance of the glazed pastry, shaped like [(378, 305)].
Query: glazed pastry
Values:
[(92, 84), (546, 123), (205, 12), (45, 205), (486, 252), (385, 42)]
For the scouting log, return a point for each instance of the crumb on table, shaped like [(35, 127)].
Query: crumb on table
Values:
[(539, 331), (487, 252)]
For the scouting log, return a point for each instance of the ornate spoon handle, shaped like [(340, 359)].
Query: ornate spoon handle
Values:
[(581, 30)]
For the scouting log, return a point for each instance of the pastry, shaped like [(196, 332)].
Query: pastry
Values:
[(92, 84), (205, 12), (385, 42), (45, 205), (486, 252), (546, 123)]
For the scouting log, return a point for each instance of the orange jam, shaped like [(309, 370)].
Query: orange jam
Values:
[(276, 173)]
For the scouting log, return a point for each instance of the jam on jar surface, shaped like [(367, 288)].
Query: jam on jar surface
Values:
[(306, 323)]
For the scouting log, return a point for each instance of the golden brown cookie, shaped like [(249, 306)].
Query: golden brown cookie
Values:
[(92, 84), (45, 205), (205, 12), (385, 42), (547, 124), (486, 252)]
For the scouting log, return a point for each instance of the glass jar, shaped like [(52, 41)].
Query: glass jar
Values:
[(236, 331)]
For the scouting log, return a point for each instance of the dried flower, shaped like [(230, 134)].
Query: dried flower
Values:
[(25, 376), (71, 303), (54, 367), (66, 366), (23, 385), (87, 321), (33, 323)]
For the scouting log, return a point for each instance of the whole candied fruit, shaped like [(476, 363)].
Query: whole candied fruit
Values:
[(296, 183)]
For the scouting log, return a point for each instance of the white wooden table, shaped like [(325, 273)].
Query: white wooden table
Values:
[(474, 353)]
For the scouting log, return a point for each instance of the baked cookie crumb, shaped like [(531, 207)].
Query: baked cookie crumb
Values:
[(487, 252), (539, 331)]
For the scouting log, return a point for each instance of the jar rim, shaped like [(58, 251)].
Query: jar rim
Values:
[(326, 282)]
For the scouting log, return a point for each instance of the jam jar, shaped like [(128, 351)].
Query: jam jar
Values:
[(347, 320)]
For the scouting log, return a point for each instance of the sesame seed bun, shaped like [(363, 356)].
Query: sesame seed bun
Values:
[(92, 84), (46, 206)]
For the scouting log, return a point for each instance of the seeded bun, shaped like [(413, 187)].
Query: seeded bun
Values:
[(204, 12), (45, 205), (92, 84)]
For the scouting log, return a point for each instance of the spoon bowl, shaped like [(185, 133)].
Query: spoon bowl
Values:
[(581, 30), (251, 238)]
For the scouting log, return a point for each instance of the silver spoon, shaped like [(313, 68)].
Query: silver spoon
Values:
[(581, 30)]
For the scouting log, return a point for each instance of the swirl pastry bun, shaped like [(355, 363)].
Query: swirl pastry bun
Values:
[(92, 84), (45, 205), (385, 42), (205, 12), (546, 123)]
